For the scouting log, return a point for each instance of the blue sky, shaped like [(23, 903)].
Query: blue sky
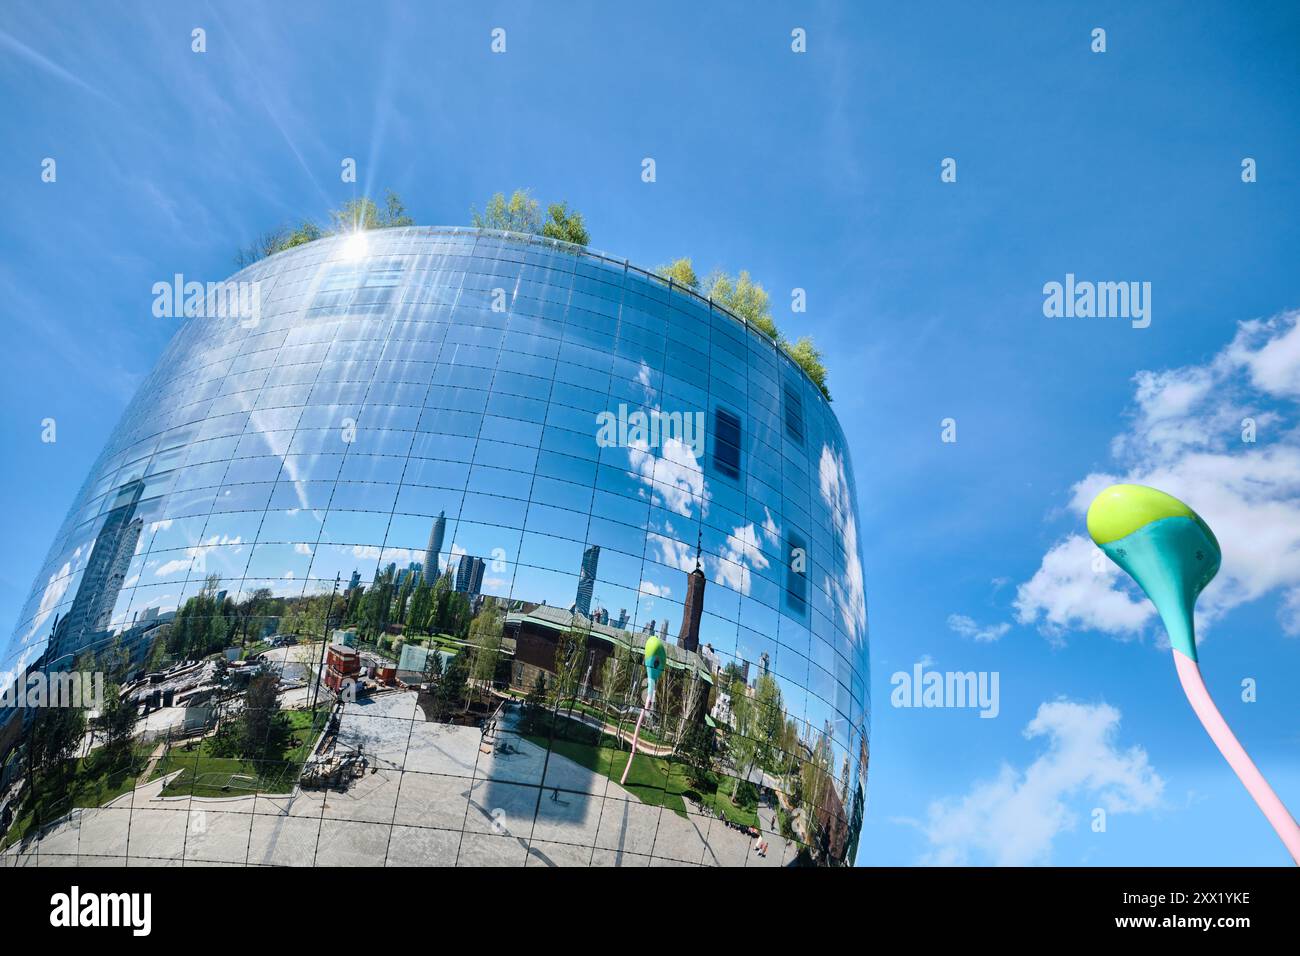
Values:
[(820, 171)]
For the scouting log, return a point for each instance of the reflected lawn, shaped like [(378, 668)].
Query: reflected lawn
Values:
[(205, 775), (87, 782), (657, 781)]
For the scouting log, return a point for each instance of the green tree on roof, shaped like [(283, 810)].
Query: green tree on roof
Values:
[(748, 299), (364, 213), (565, 224), (681, 272), (353, 215), (809, 358), (277, 240), (520, 213), (745, 297)]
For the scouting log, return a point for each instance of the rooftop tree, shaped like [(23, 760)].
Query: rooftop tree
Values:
[(745, 297), (681, 272), (565, 224), (362, 213), (748, 299), (277, 240), (522, 213), (809, 358)]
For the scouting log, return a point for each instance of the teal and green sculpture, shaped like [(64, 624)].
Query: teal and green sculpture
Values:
[(1172, 554)]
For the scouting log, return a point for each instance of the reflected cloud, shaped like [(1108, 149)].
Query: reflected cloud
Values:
[(849, 594), (228, 504)]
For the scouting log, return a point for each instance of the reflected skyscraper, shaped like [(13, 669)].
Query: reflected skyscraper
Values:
[(475, 436), (469, 575), (587, 580), (434, 548), (102, 580)]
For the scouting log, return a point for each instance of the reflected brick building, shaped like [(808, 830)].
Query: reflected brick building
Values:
[(428, 398)]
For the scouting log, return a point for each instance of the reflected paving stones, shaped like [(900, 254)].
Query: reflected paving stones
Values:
[(404, 457)]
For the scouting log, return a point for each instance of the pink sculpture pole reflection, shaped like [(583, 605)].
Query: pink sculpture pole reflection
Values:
[(655, 656)]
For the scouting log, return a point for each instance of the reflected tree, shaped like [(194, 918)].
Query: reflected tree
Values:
[(117, 723), (485, 639), (203, 625), (570, 659), (535, 706), (617, 682)]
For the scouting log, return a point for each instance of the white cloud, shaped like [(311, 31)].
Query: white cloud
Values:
[(967, 627), (1289, 615), (1185, 437), (176, 565), (658, 590), (771, 530), (1066, 593), (1013, 819), (740, 554), (1270, 351), (675, 479), (671, 551), (8, 676), (199, 552), (846, 587), (55, 588)]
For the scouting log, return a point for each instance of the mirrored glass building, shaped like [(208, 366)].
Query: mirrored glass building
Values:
[(370, 564)]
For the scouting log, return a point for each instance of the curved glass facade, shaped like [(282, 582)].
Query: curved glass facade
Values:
[(465, 477)]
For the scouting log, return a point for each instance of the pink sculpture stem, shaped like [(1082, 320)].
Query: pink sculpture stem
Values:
[(648, 698), (1189, 674)]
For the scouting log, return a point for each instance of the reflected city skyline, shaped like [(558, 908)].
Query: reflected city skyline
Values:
[(389, 466)]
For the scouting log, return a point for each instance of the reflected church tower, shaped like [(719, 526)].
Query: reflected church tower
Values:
[(688, 638)]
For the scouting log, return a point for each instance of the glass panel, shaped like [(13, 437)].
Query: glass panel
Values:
[(393, 476)]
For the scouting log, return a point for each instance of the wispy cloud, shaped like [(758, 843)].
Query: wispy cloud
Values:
[(967, 627), (1014, 819), (49, 66)]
